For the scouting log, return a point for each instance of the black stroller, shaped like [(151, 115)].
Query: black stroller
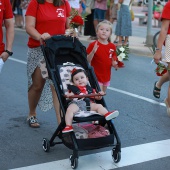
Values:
[(63, 54)]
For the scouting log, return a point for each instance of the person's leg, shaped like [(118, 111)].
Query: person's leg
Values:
[(126, 41), (71, 110), (56, 104), (98, 108), (163, 79), (34, 93), (103, 111), (167, 100), (120, 41), (158, 84)]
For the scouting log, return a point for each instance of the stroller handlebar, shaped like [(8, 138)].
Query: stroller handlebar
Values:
[(86, 95)]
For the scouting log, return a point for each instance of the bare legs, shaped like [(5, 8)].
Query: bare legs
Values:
[(125, 41), (56, 104), (103, 88), (163, 79), (168, 98), (34, 93)]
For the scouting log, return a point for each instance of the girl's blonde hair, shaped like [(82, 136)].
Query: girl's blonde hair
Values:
[(109, 24)]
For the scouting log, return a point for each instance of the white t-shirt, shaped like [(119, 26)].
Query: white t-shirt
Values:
[(126, 2), (74, 3)]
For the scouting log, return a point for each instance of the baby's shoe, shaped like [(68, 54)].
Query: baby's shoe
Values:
[(67, 129), (111, 115), (167, 107)]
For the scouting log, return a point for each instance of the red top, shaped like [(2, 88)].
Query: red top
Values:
[(49, 19), (102, 60), (166, 13), (5, 13)]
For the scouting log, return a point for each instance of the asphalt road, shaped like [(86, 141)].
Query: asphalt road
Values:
[(142, 120)]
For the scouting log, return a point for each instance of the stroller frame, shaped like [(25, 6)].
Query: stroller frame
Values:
[(58, 50)]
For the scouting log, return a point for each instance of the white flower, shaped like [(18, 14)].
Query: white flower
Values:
[(121, 56), (122, 49)]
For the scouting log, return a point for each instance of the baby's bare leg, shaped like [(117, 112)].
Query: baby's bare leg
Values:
[(71, 110), (98, 108)]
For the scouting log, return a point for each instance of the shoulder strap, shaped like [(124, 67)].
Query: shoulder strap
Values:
[(89, 89), (73, 89)]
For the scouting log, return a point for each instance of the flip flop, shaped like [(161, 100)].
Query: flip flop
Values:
[(33, 122), (156, 91)]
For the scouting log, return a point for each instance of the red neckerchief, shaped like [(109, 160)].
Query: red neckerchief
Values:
[(83, 89)]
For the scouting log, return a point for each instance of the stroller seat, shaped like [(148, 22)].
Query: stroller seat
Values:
[(65, 75)]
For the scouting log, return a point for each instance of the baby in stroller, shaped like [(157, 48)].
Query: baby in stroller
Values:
[(80, 87)]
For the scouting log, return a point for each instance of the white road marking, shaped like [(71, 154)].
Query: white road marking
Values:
[(136, 96), (19, 61), (103, 160)]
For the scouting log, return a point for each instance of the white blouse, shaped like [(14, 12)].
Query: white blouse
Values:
[(126, 2)]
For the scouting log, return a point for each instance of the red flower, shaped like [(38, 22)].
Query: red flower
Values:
[(160, 69), (77, 20), (120, 64), (160, 73)]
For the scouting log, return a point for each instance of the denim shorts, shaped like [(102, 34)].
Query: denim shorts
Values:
[(19, 11), (99, 14)]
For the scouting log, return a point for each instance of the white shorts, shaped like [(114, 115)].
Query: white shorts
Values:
[(167, 49)]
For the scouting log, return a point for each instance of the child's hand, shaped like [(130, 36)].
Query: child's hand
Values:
[(114, 64), (100, 97), (95, 48)]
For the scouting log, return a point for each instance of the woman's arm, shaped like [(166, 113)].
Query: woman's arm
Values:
[(9, 25), (30, 28), (161, 39)]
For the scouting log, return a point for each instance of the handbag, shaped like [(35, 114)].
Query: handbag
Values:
[(132, 15), (157, 15)]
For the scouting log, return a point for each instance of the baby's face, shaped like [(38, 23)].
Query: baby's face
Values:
[(80, 79)]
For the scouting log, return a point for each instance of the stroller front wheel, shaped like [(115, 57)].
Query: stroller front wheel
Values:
[(46, 144), (74, 162), (116, 156)]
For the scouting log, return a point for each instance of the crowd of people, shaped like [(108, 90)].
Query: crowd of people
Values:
[(41, 91)]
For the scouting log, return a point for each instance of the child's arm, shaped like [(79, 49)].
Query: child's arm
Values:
[(114, 64), (100, 97), (91, 55)]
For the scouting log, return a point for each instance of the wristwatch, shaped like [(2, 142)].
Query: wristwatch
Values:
[(157, 49), (9, 52)]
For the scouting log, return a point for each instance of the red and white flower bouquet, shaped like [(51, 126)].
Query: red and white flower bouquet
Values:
[(122, 55), (75, 21)]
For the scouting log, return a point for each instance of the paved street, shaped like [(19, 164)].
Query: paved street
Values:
[(143, 125)]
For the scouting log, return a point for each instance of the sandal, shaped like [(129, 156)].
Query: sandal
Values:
[(156, 91), (33, 122)]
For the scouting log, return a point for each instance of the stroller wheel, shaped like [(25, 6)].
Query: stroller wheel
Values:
[(74, 162), (46, 144), (116, 156)]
